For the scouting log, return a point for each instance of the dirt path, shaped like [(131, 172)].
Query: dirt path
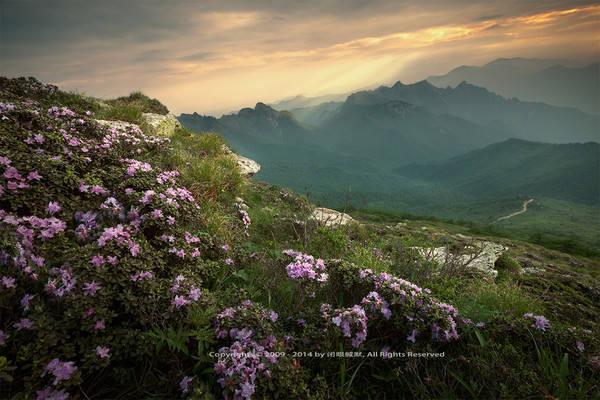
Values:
[(521, 211)]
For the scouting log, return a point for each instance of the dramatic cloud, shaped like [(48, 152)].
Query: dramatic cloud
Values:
[(215, 56)]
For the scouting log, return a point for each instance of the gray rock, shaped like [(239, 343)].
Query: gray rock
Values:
[(479, 258), (247, 166), (329, 217)]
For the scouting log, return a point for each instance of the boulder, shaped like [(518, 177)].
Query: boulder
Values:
[(161, 125), (479, 258), (329, 217), (247, 166)]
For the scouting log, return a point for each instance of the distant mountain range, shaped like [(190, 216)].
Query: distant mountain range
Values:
[(533, 80), (456, 152), (525, 120)]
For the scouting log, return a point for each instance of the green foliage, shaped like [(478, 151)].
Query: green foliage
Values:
[(126, 112), (483, 302), (505, 264), (139, 101), (205, 166)]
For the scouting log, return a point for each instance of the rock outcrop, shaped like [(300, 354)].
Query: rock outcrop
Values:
[(161, 125), (329, 217), (480, 257), (121, 125), (247, 166)]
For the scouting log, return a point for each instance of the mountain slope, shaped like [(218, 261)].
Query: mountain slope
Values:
[(520, 168), (534, 80), (399, 132), (525, 120)]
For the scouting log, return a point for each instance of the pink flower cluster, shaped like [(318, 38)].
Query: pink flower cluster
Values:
[(353, 323), (61, 370), (184, 293), (251, 353), (305, 267), (133, 166), (374, 302), (167, 177), (60, 112), (121, 236)]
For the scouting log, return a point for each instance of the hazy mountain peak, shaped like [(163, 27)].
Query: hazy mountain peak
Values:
[(538, 80)]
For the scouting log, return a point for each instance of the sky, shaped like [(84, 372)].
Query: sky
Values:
[(213, 57)]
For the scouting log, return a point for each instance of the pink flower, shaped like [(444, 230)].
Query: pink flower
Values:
[(25, 300), (33, 176), (12, 173), (103, 352), (228, 261), (540, 322), (157, 214), (24, 323), (170, 220), (178, 252), (90, 288), (112, 260), (61, 370), (185, 383), (89, 312), (134, 249), (8, 282), (580, 346), (53, 207), (97, 260), (97, 189), (189, 238), (194, 294), (99, 325), (180, 301)]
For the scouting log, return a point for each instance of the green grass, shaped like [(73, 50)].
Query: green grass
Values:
[(140, 101)]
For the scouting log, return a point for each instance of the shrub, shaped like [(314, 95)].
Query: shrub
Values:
[(99, 247), (506, 263)]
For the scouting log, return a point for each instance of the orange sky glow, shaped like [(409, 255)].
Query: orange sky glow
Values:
[(228, 59)]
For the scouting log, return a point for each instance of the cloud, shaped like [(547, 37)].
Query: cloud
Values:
[(211, 56)]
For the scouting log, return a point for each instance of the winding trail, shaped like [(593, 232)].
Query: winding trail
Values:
[(521, 211)]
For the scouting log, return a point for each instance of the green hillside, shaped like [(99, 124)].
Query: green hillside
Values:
[(520, 168), (139, 263)]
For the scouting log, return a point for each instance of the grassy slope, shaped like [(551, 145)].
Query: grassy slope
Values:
[(494, 362)]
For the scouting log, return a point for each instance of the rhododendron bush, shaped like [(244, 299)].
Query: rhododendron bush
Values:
[(98, 245)]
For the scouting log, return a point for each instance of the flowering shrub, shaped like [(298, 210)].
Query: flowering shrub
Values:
[(98, 245), (305, 267), (249, 366)]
